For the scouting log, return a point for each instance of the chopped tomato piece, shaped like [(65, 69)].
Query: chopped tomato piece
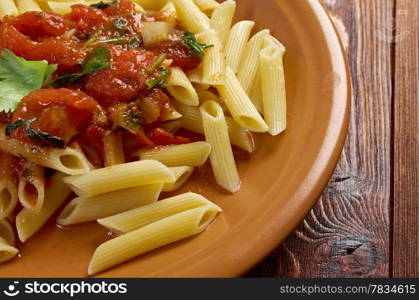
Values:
[(38, 24), (58, 112), (119, 8), (87, 17), (161, 137)]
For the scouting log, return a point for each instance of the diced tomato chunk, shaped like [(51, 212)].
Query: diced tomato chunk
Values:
[(86, 17), (179, 53), (123, 80), (161, 137), (58, 112), (39, 24), (119, 8)]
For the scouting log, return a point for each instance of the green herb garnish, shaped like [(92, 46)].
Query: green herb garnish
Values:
[(134, 42), (97, 60), (158, 82), (102, 5), (39, 137), (120, 23), (196, 49), (132, 119), (19, 77), (156, 63)]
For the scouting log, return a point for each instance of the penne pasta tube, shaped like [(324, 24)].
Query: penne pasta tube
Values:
[(27, 223), (213, 62), (192, 121), (221, 157), (191, 16), (7, 241), (180, 87), (70, 160), (8, 8), (84, 209), (273, 88), (112, 146), (151, 4), (249, 62), (63, 7), (181, 174), (256, 93), (8, 197), (7, 252), (119, 177), (240, 105), (27, 5), (221, 19), (8, 190), (7, 235), (207, 6), (236, 43), (152, 236), (31, 188), (192, 154), (142, 216)]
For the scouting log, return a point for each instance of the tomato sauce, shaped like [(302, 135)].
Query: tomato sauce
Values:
[(84, 109)]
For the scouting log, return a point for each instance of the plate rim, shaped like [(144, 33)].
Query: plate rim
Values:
[(273, 234)]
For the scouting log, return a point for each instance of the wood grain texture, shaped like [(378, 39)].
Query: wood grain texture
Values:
[(347, 234), (406, 140)]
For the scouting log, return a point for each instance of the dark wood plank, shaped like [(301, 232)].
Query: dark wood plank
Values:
[(347, 234), (406, 141)]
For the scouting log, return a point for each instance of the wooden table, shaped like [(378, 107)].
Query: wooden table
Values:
[(366, 222)]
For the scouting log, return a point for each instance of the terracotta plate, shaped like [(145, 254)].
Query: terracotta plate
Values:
[(280, 182)]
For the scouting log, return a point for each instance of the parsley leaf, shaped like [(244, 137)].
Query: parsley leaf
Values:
[(158, 82), (196, 49), (19, 77), (102, 5), (39, 137), (97, 60)]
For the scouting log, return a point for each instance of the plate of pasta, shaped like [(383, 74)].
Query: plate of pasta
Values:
[(162, 138)]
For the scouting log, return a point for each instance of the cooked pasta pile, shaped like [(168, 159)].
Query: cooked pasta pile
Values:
[(104, 105)]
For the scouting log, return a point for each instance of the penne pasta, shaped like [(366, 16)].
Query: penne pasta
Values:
[(221, 19), (273, 88), (119, 177), (27, 223), (236, 43), (191, 16), (142, 216), (240, 105), (249, 62), (181, 174), (6, 233), (27, 5), (192, 121), (31, 188), (8, 190), (84, 209), (112, 148), (152, 236), (8, 8), (70, 160), (151, 4), (221, 157), (207, 6), (7, 252), (63, 7), (180, 87), (213, 62), (256, 93), (193, 154)]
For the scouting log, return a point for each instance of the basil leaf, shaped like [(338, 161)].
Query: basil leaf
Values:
[(102, 5), (97, 60), (13, 126)]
